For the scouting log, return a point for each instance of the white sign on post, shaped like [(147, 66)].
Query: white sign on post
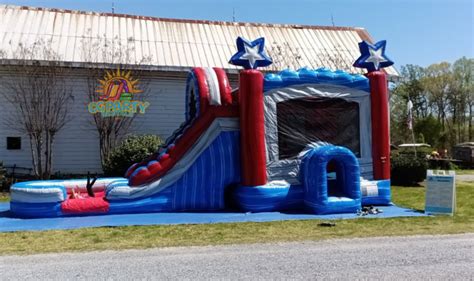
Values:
[(440, 192)]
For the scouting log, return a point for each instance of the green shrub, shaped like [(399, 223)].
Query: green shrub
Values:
[(408, 169), (442, 165), (421, 152), (134, 148)]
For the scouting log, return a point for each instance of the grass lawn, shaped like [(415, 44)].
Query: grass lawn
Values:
[(464, 172), (135, 237), (4, 197)]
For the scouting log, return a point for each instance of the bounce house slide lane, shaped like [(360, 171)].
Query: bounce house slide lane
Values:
[(208, 103), (208, 96), (153, 169), (122, 190), (185, 186)]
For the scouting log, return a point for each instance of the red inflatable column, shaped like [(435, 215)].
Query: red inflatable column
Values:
[(252, 128), (380, 125)]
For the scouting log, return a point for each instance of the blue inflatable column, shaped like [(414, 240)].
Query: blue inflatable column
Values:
[(318, 199)]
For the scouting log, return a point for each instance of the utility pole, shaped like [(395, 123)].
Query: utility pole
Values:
[(332, 20), (113, 7), (233, 14)]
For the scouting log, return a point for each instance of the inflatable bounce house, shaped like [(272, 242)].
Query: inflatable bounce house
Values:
[(309, 141)]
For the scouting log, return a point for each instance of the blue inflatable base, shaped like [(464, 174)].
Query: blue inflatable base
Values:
[(8, 223)]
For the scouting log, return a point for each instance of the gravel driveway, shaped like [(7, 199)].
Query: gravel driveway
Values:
[(447, 257)]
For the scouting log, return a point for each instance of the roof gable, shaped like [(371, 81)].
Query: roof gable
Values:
[(172, 44)]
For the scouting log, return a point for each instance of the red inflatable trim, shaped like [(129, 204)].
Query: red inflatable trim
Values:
[(252, 128), (131, 169), (85, 205), (140, 175), (380, 125), (224, 86), (200, 74), (154, 167)]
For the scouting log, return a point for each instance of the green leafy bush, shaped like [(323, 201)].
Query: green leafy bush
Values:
[(133, 149), (408, 169), (421, 152), (441, 165)]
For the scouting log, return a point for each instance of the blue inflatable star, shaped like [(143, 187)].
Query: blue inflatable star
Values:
[(250, 55), (372, 56)]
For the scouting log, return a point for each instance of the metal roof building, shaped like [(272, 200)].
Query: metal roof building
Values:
[(174, 44), (165, 49)]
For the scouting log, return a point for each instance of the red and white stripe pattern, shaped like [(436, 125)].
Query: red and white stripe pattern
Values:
[(213, 87)]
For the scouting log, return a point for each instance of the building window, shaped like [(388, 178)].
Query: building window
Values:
[(306, 120), (13, 143)]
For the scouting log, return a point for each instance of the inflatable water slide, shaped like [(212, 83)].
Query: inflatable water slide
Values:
[(309, 140)]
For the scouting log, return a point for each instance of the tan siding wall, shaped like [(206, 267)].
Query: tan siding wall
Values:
[(77, 147)]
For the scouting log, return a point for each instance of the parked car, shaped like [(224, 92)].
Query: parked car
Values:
[(422, 149), (414, 145)]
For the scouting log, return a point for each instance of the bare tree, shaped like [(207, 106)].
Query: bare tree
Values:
[(286, 56), (40, 96), (103, 55)]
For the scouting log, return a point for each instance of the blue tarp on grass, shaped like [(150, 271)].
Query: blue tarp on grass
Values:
[(8, 223)]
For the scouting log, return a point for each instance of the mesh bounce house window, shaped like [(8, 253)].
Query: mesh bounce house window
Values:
[(306, 120)]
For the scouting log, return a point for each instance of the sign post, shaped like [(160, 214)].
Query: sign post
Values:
[(440, 192)]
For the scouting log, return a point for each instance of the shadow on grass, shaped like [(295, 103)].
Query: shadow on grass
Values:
[(411, 185)]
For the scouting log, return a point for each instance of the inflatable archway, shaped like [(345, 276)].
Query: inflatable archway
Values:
[(345, 196)]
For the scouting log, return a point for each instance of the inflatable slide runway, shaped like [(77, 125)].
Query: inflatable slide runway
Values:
[(173, 179)]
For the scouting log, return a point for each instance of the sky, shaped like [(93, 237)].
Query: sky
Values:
[(419, 32)]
